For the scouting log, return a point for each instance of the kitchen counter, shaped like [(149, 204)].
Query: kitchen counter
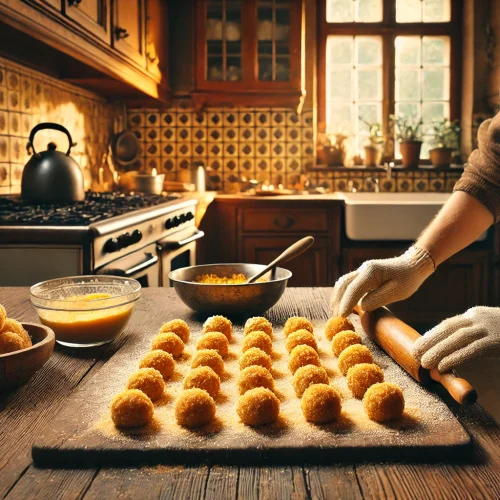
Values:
[(27, 410)]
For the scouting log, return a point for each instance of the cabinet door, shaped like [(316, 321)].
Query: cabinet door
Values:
[(156, 37), (309, 269), (129, 29), (93, 15), (55, 4)]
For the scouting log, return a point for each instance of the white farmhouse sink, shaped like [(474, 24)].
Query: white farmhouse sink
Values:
[(390, 216)]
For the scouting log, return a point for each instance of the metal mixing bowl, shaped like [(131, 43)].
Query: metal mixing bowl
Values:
[(254, 298)]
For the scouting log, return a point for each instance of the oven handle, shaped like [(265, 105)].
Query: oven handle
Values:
[(150, 261), (172, 245)]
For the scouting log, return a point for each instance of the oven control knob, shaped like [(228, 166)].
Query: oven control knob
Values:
[(169, 224), (176, 221), (124, 240), (136, 236), (189, 216), (182, 218), (111, 246)]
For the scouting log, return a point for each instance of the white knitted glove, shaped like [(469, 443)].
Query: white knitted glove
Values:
[(381, 282), (461, 338)]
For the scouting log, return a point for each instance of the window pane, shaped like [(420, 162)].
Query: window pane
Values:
[(408, 11), (435, 86), (408, 51), (436, 51), (348, 11), (427, 11), (436, 11), (368, 51), (408, 84)]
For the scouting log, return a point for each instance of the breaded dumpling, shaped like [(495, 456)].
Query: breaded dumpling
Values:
[(3, 316), (149, 381), (343, 340), (384, 401), (11, 325), (177, 326), (354, 355), (219, 324), (258, 324), (10, 342), (255, 376), (131, 408), (302, 355), (362, 376), (261, 340), (194, 408), (321, 404), (255, 356), (335, 325), (258, 406), (204, 378), (300, 337), (297, 323), (214, 340), (210, 358), (168, 342), (308, 375), (159, 360)]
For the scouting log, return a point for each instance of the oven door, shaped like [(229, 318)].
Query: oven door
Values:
[(177, 251), (142, 265)]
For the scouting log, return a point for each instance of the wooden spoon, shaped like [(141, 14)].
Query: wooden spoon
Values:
[(298, 248)]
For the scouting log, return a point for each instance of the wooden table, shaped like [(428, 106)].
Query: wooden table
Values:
[(27, 410)]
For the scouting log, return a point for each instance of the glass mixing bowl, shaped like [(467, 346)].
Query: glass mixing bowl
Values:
[(85, 311)]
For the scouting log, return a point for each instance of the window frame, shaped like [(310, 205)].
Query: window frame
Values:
[(389, 29)]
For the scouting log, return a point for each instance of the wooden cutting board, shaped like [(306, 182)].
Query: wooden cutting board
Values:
[(83, 433)]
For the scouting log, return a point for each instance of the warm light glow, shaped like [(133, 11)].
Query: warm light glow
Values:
[(200, 179), (153, 172)]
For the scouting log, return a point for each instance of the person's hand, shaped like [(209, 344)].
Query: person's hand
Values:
[(461, 338), (380, 282)]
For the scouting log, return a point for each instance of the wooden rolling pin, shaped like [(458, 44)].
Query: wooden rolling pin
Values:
[(397, 338)]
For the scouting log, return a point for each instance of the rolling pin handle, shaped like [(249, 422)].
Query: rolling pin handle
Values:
[(460, 390)]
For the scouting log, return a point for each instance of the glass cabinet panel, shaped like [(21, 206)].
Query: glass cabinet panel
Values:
[(223, 35), (273, 40)]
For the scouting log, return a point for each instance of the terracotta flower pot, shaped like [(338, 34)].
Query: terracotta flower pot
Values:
[(372, 156), (334, 157), (410, 153), (441, 157)]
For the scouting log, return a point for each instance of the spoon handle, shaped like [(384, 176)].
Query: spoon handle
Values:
[(290, 253)]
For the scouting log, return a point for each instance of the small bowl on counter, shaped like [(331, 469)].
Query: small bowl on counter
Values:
[(228, 298), (85, 311), (18, 366)]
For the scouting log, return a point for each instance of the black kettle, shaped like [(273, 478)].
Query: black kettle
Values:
[(51, 176)]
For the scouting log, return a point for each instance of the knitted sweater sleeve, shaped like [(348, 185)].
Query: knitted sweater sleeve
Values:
[(481, 178)]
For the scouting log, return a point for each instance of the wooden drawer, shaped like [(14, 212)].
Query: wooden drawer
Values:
[(290, 220)]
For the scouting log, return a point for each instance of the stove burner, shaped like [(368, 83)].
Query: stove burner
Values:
[(95, 207)]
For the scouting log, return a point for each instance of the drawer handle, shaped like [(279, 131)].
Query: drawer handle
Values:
[(152, 58), (121, 33), (286, 224), (74, 3)]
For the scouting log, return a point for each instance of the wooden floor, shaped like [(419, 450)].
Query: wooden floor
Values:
[(26, 411)]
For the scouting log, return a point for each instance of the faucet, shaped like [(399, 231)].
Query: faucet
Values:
[(375, 184), (350, 186)]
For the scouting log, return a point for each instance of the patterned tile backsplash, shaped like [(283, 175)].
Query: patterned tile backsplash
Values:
[(28, 97)]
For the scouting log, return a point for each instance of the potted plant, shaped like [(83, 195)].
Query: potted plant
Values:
[(373, 149), (334, 149), (445, 136), (409, 135)]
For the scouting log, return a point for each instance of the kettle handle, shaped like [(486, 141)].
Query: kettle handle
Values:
[(54, 126)]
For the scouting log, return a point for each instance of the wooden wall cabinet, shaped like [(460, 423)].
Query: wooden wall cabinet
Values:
[(93, 15), (249, 53), (129, 33)]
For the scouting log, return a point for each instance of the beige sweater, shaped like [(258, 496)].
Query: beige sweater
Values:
[(481, 178)]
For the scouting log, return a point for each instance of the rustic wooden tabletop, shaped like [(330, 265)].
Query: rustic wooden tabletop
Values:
[(26, 411)]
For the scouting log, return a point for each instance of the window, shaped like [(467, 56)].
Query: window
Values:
[(383, 57)]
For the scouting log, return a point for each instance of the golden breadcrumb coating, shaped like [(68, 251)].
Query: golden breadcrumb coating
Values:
[(159, 360), (300, 337), (255, 376), (3, 316), (203, 378), (149, 381), (297, 323), (353, 355), (306, 376), (321, 404), (384, 401), (362, 376), (302, 355), (11, 325), (194, 408), (214, 340), (219, 324), (336, 325), (258, 324), (131, 408), (211, 358), (177, 326), (255, 356), (10, 342), (343, 340), (168, 342), (258, 406), (261, 340)]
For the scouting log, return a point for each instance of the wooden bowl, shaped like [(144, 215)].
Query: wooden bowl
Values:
[(17, 367)]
